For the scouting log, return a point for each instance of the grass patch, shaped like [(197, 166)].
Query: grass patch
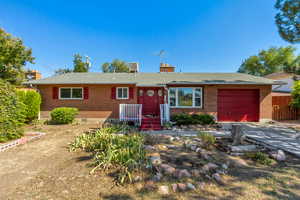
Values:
[(260, 157), (208, 139)]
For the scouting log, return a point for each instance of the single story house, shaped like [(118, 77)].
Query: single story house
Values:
[(156, 96)]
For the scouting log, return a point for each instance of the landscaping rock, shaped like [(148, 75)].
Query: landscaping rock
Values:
[(163, 190), (182, 173), (149, 148), (155, 159), (150, 186), (182, 187), (157, 177), (218, 178), (190, 186), (201, 185), (279, 155), (209, 167), (236, 162), (174, 187), (167, 169), (244, 148), (138, 179), (195, 172), (224, 166)]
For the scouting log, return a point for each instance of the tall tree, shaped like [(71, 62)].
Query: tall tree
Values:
[(80, 65), (13, 57), (115, 66), (272, 60), (288, 19)]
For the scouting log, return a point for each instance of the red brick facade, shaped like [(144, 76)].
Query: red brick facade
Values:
[(101, 105)]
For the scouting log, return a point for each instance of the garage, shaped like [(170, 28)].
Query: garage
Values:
[(239, 105)]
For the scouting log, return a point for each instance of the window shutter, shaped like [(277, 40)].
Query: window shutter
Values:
[(131, 93), (86, 92), (55, 92), (113, 93)]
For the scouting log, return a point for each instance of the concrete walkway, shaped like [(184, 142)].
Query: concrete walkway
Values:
[(277, 137)]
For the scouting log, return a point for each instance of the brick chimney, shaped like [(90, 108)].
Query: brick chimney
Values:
[(33, 75), (164, 67)]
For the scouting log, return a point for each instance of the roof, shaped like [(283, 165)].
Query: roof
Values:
[(279, 75), (287, 88), (154, 79)]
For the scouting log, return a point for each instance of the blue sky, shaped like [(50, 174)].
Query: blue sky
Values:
[(197, 35)]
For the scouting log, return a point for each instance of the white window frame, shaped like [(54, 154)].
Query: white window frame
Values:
[(59, 95), (176, 97), (122, 92)]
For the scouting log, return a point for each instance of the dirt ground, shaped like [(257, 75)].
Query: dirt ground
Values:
[(45, 169)]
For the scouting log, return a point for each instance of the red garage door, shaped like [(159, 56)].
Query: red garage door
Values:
[(238, 105)]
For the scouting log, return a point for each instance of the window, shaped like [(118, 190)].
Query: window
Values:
[(185, 97), (70, 93), (122, 93)]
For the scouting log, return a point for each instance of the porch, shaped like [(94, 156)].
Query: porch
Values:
[(134, 113)]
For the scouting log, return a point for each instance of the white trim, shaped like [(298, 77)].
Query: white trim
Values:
[(59, 97), (122, 92), (176, 97)]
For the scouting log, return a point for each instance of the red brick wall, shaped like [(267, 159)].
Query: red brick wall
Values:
[(99, 100), (100, 104), (210, 94)]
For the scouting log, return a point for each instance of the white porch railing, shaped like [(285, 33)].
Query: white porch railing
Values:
[(164, 113), (131, 112)]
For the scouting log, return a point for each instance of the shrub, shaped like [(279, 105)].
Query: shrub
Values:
[(11, 113), (260, 157), (208, 139), (112, 151), (187, 119), (296, 95), (32, 101), (63, 115)]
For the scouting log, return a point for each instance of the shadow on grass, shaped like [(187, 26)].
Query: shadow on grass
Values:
[(117, 197)]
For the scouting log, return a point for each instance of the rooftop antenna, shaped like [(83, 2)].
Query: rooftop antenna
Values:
[(161, 55), (88, 61)]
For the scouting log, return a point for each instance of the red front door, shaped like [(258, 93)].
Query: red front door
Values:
[(150, 98)]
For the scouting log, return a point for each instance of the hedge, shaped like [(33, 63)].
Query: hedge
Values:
[(187, 119), (32, 101), (12, 113), (63, 115)]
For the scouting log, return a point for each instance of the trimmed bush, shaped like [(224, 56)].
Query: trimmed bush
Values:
[(63, 115), (12, 112), (187, 119), (32, 101)]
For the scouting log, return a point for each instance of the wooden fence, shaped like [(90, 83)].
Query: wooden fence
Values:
[(282, 109)]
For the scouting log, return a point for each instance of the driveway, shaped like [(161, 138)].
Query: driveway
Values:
[(27, 163)]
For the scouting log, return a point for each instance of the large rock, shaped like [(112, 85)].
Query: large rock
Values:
[(218, 178), (157, 177), (163, 190), (244, 148), (182, 173), (190, 186), (174, 187), (155, 159), (167, 169), (149, 148), (182, 187), (209, 167), (279, 155)]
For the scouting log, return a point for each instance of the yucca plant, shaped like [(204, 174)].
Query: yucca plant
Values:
[(122, 152)]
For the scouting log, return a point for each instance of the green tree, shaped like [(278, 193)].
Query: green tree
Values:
[(63, 71), (272, 60), (296, 94), (13, 57), (288, 20), (80, 65), (115, 66)]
